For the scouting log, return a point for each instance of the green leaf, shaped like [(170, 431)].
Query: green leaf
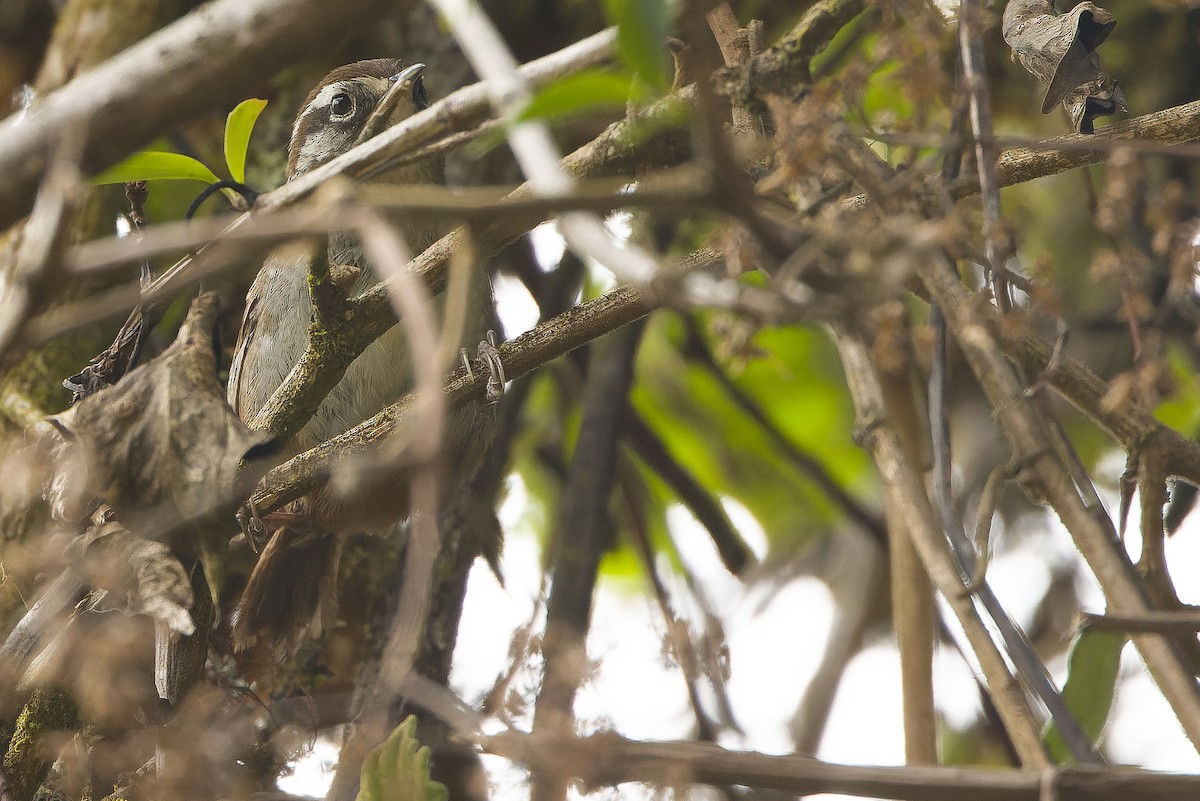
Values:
[(792, 379), (153, 165), (238, 126), (398, 770), (642, 29), (1181, 409), (1092, 670), (585, 91)]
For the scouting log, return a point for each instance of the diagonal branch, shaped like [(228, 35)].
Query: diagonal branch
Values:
[(547, 341), (124, 102), (1090, 528), (614, 152), (907, 496), (1172, 126)]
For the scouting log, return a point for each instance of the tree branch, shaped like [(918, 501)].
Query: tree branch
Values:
[(1173, 126), (582, 535), (552, 339), (1090, 528), (124, 102), (906, 495), (608, 759)]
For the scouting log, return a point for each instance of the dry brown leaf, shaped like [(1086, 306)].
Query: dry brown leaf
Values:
[(1060, 50), (162, 447)]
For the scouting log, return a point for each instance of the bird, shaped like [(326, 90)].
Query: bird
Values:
[(292, 587)]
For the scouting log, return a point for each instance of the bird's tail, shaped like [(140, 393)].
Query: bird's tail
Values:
[(292, 589)]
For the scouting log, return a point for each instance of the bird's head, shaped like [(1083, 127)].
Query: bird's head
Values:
[(349, 106)]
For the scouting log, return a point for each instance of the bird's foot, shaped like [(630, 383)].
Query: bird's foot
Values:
[(252, 526), (258, 529), (489, 354)]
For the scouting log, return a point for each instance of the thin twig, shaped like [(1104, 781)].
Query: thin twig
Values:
[(678, 636), (906, 494), (532, 143), (970, 40), (805, 462)]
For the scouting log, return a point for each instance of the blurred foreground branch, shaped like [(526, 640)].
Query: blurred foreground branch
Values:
[(608, 759), (124, 102)]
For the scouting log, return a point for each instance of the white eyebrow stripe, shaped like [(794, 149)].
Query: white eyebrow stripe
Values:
[(319, 102)]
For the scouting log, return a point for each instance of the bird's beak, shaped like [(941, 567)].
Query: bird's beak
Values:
[(408, 74), (400, 89)]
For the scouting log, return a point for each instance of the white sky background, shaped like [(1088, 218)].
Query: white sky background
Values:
[(774, 646), (775, 643)]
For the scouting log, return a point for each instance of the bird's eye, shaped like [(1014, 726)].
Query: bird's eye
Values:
[(341, 106), (420, 96)]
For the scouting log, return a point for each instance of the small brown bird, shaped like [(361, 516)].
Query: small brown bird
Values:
[(293, 586)]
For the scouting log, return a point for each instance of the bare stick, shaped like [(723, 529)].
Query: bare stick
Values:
[(970, 42), (607, 759), (532, 144), (906, 494)]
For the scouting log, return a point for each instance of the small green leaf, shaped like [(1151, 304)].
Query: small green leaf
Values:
[(153, 165), (642, 29), (590, 90), (1092, 670), (238, 126), (398, 770)]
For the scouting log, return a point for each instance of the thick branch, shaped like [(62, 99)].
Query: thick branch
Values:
[(124, 102), (547, 341), (607, 759), (1171, 126)]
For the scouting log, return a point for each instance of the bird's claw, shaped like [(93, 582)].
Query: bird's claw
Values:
[(489, 354), (252, 526)]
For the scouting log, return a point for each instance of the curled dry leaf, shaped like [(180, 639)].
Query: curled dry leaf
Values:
[(1060, 50), (162, 447), (124, 572), (140, 576)]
